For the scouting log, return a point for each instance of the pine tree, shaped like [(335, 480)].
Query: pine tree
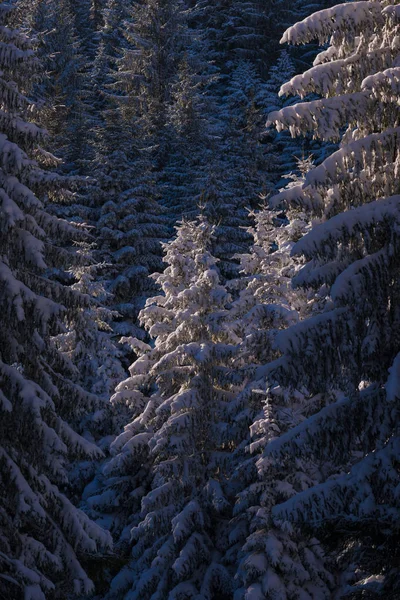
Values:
[(44, 539), (131, 229), (248, 31), (171, 465), (87, 341), (190, 127), (62, 107), (347, 354), (252, 31), (61, 48)]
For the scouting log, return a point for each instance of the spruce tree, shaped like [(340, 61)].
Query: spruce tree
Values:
[(347, 354), (168, 481), (265, 306), (44, 539), (130, 223), (156, 40)]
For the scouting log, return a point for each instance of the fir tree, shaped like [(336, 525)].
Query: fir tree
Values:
[(44, 539), (349, 353), (156, 41), (130, 223), (265, 306), (62, 53), (169, 478)]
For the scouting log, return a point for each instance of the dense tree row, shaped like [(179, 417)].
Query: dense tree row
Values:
[(250, 276)]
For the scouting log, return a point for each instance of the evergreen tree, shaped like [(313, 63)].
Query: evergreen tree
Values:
[(130, 223), (240, 31), (240, 169), (87, 338), (44, 539), (265, 306), (156, 38), (348, 354), (130, 230), (282, 148), (62, 52), (248, 30), (191, 125), (252, 30), (216, 158), (61, 47), (169, 478)]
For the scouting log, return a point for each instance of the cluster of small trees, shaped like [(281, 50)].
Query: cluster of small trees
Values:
[(253, 451)]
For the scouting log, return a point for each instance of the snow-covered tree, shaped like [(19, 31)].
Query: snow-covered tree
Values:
[(191, 124), (216, 161), (168, 481), (243, 30), (131, 228), (88, 21), (156, 38), (240, 165), (130, 223), (44, 539), (282, 148), (87, 340), (109, 135), (248, 30), (265, 306), (69, 124), (349, 352)]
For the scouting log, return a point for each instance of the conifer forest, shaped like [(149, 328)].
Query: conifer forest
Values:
[(199, 300)]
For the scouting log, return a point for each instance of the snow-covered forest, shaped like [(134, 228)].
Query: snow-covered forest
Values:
[(199, 300)]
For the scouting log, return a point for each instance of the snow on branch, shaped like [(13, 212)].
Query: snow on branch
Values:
[(323, 118), (341, 76), (348, 224), (369, 491), (346, 18)]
